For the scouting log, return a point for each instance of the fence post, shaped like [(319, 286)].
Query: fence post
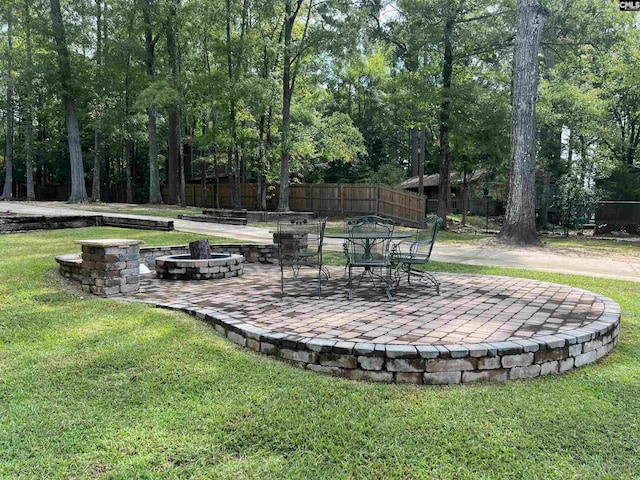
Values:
[(378, 199), (341, 200)]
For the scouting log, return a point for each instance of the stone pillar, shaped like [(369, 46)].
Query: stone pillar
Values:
[(110, 266)]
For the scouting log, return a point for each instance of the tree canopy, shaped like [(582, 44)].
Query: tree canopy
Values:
[(128, 97)]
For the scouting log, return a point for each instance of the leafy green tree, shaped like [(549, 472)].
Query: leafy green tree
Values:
[(7, 191), (28, 99), (150, 42), (78, 192), (621, 140), (519, 225), (575, 46)]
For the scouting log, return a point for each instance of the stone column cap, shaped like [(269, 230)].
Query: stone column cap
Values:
[(109, 242)]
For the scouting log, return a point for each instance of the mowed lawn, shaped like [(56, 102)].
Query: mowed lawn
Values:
[(95, 388)]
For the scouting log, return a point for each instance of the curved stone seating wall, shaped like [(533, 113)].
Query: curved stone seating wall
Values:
[(432, 365), (70, 265)]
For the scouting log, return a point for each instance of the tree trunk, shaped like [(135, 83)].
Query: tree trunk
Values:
[(173, 162), (7, 191), (233, 154), (183, 191), (465, 197), (129, 147), (285, 157), (28, 115), (78, 191), (172, 159), (414, 152), (217, 190), (421, 159), (155, 195), (520, 219), (28, 146), (128, 174), (203, 182), (107, 175), (444, 157), (95, 189), (550, 151), (261, 194)]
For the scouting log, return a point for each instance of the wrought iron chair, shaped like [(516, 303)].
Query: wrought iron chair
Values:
[(347, 225), (408, 255), (368, 248), (300, 245)]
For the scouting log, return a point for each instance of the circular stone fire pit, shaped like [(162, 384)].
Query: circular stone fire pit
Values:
[(183, 267)]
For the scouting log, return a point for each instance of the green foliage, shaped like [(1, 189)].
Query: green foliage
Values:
[(387, 174), (159, 95), (574, 199), (366, 76), (338, 139)]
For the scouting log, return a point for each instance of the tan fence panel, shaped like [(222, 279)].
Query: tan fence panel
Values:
[(359, 199), (299, 198), (325, 198), (328, 198), (190, 194), (401, 206)]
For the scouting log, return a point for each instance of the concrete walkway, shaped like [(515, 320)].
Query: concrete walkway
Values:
[(544, 259)]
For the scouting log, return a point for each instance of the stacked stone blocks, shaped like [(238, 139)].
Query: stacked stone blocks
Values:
[(431, 364), (252, 252), (110, 266), (177, 268)]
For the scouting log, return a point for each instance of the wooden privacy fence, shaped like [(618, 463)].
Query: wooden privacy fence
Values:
[(248, 192), (615, 216), (326, 198), (336, 199), (358, 199)]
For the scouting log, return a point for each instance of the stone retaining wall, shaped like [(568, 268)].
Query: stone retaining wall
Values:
[(18, 224), (431, 365)]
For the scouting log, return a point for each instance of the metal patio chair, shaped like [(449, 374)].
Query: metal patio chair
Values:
[(407, 255), (300, 245), (368, 248)]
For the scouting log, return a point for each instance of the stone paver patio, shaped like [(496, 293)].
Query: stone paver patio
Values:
[(479, 328)]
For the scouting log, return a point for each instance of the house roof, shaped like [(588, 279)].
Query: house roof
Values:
[(433, 180)]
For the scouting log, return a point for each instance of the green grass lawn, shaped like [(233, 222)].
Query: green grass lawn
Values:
[(95, 388)]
